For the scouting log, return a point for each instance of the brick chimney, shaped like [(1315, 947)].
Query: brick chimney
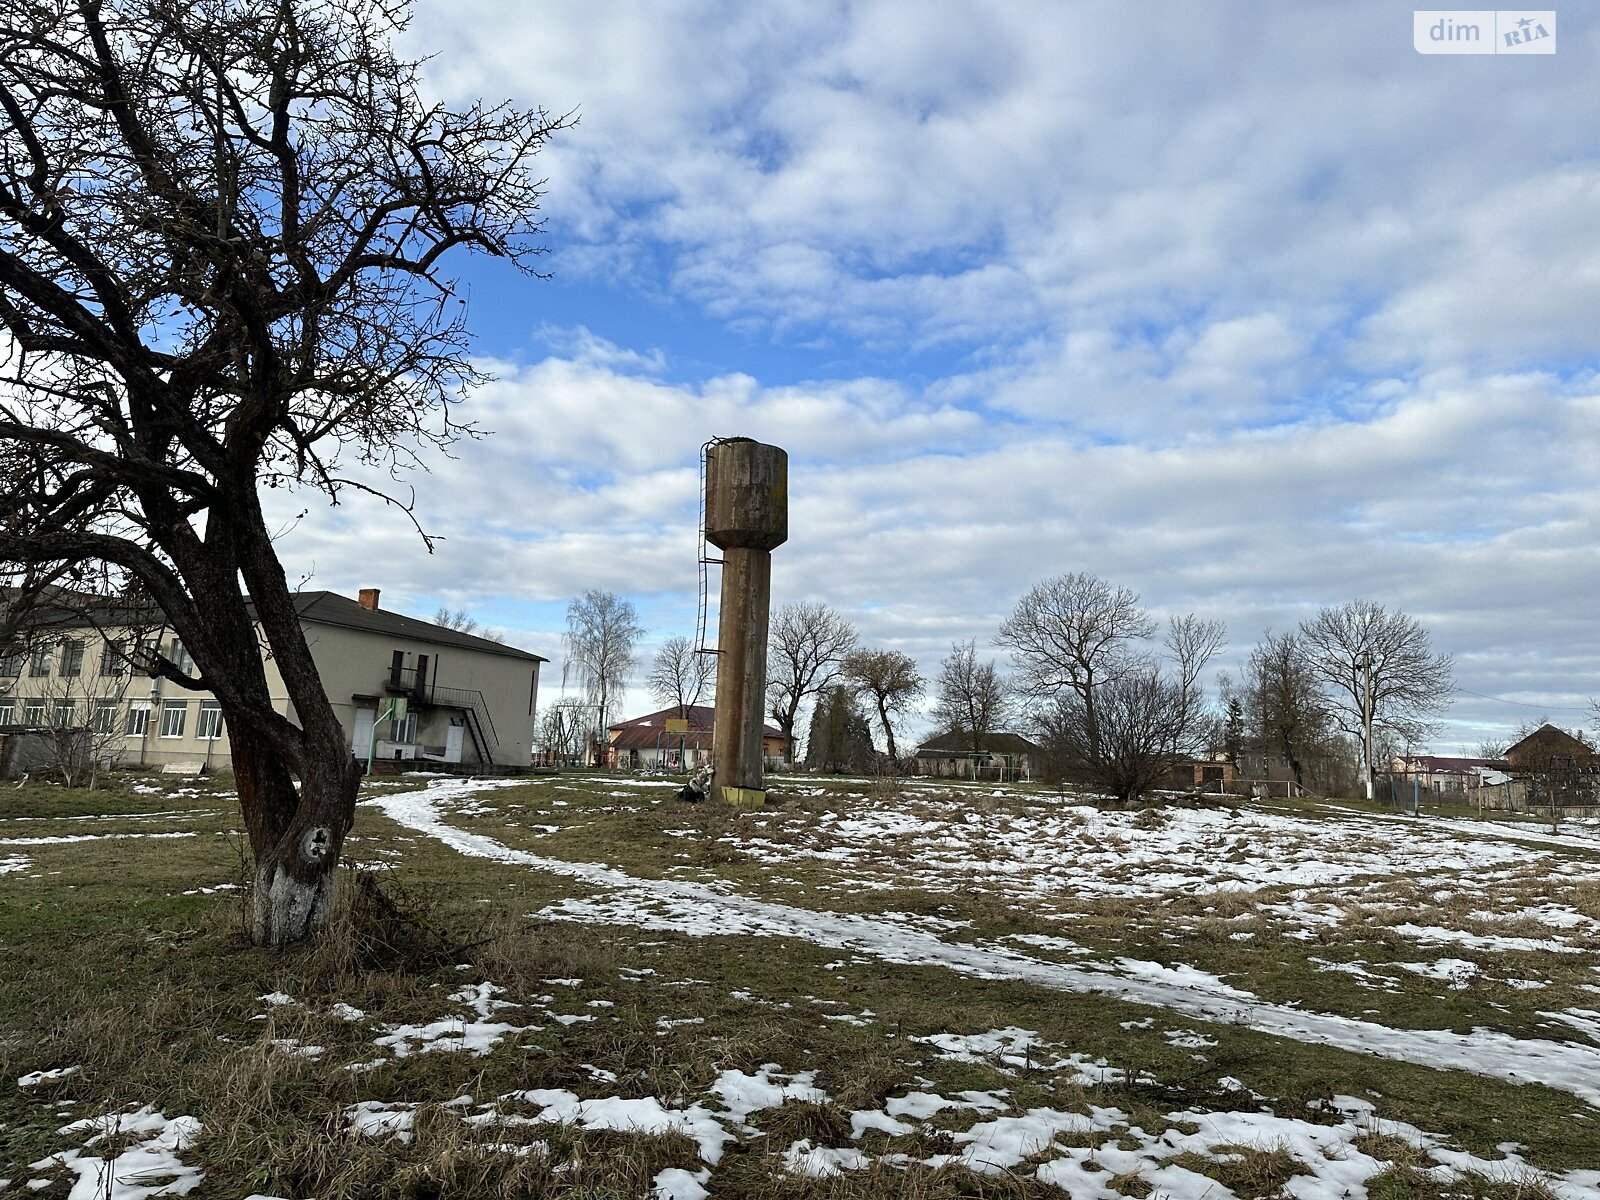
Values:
[(369, 599)]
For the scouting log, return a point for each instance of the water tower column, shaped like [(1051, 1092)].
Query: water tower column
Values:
[(747, 517)]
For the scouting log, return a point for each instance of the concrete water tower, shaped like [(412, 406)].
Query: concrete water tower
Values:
[(747, 517)]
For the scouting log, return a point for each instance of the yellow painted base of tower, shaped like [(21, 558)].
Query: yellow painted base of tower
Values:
[(744, 797)]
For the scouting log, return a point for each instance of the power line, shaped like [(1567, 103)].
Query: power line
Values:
[(1523, 703)]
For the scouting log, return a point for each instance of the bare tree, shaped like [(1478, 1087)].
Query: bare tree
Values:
[(806, 648), (680, 676), (463, 622), (971, 698), (84, 706), (602, 631), (1379, 673), (1142, 723), (1284, 702), (1079, 643), (1491, 748), (222, 235), (1191, 644), (1231, 735), (892, 680), (562, 728), (1074, 632)]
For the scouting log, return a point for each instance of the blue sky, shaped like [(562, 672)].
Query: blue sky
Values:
[(1247, 306)]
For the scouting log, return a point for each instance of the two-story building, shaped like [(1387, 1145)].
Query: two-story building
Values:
[(467, 699)]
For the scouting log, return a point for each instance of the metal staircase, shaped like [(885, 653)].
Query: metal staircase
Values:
[(479, 723)]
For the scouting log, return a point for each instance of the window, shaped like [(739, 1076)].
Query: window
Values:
[(173, 715), (405, 729), (180, 657), (71, 658), (39, 664), (33, 712), (113, 658), (11, 662), (105, 715), (8, 711), (138, 718), (64, 712), (208, 724)]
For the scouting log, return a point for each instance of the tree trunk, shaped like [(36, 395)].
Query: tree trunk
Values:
[(786, 727), (295, 835), (888, 735), (296, 832)]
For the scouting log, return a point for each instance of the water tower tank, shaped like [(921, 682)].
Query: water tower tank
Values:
[(747, 495)]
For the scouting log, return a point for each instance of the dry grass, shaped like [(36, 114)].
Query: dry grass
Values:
[(824, 1123), (1390, 1148), (1411, 1183), (1250, 1172), (1131, 1183)]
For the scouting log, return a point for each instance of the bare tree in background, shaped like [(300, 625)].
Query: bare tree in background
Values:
[(806, 647), (602, 631), (1075, 632), (1379, 672), (971, 697), (891, 678), (84, 708), (562, 729), (222, 234), (1491, 748), (680, 676), (1284, 702), (463, 622), (1142, 725), (1191, 643), (1110, 713)]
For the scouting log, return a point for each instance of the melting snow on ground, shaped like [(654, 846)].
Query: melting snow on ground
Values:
[(710, 910), (1332, 1159), (140, 1159)]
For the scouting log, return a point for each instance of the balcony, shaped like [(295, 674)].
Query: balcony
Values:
[(410, 682)]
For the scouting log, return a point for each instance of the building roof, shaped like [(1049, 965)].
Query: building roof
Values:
[(647, 737), (1548, 739), (701, 717), (993, 743), (1443, 764), (330, 608), (53, 608), (63, 609)]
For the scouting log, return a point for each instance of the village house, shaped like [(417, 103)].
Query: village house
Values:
[(466, 699), (1441, 774), (1548, 745), (675, 739), (1551, 767), (988, 756)]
